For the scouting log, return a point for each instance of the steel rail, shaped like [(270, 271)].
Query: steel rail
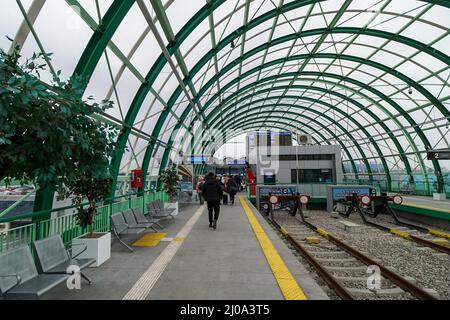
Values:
[(404, 234), (332, 282), (395, 278)]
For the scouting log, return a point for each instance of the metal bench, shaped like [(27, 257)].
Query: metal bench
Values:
[(159, 205), (132, 222), (120, 227), (141, 218), (53, 258), (19, 277), (155, 212)]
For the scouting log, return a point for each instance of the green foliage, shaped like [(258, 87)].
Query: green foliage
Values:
[(47, 134), (170, 179)]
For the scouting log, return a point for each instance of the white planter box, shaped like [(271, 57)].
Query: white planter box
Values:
[(439, 196), (173, 205), (97, 248)]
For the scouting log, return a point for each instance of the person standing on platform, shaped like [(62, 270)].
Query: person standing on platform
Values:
[(238, 181), (212, 192), (224, 191), (232, 189), (200, 183)]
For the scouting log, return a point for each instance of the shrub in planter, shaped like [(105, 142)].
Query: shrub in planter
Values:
[(50, 136), (170, 178)]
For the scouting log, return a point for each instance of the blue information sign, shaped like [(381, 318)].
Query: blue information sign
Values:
[(342, 193), (198, 159)]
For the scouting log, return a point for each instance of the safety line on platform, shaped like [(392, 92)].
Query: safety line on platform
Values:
[(147, 281), (287, 283)]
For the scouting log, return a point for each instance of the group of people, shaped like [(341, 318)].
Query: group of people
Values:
[(214, 189)]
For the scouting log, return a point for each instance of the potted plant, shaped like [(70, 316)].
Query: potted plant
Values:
[(95, 245), (170, 178), (49, 137)]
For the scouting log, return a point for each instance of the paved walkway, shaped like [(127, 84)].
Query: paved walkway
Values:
[(427, 202), (199, 263)]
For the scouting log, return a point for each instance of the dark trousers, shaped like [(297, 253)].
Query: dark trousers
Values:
[(200, 198), (232, 195), (213, 205)]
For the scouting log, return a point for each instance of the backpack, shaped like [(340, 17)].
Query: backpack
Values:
[(232, 187)]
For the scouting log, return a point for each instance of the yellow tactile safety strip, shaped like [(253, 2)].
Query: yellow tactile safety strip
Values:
[(288, 286), (322, 232), (149, 240), (439, 233), (399, 233)]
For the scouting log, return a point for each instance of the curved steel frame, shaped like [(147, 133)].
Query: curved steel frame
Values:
[(119, 9), (405, 40)]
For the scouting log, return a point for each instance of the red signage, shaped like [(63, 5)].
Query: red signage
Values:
[(136, 178)]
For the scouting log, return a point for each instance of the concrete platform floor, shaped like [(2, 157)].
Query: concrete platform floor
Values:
[(426, 202), (223, 264)]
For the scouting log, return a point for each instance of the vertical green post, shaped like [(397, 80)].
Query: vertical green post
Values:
[(43, 202)]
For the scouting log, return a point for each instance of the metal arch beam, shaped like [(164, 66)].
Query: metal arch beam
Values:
[(373, 64), (378, 150), (401, 151), (250, 117), (351, 58), (337, 94), (85, 67), (248, 127), (378, 33), (165, 157), (101, 37), (288, 125), (172, 47), (376, 92), (145, 88), (315, 32), (277, 120)]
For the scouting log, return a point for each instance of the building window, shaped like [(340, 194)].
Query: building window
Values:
[(312, 176)]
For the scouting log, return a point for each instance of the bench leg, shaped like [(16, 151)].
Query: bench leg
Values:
[(121, 241), (125, 245), (85, 277)]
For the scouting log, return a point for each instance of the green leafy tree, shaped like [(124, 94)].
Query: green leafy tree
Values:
[(170, 179), (49, 135)]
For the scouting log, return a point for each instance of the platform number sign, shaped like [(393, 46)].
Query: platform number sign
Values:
[(438, 155)]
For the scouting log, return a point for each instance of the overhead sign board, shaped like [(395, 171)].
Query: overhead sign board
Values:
[(438, 154), (197, 159), (236, 163)]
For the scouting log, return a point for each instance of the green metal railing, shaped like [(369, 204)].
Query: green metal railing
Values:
[(67, 225)]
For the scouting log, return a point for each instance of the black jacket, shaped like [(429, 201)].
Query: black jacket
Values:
[(212, 191), (232, 186)]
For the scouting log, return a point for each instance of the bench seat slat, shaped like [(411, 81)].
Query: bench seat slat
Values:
[(39, 285)]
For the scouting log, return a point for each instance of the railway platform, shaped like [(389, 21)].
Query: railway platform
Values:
[(243, 259)]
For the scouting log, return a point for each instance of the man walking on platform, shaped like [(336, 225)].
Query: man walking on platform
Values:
[(212, 192)]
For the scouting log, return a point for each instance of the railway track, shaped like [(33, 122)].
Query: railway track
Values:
[(420, 235), (344, 268)]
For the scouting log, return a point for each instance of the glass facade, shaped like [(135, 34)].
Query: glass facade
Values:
[(371, 76)]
